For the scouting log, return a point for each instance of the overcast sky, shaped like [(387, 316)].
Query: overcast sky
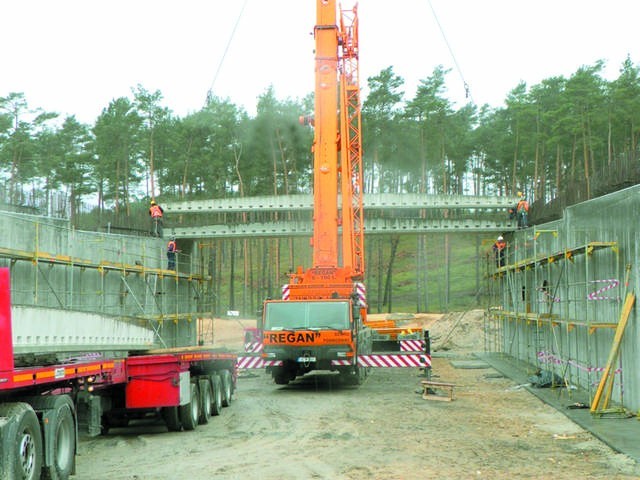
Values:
[(75, 56)]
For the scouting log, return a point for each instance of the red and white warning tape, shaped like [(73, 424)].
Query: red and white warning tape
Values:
[(611, 283), (412, 345), (394, 360), (253, 347), (256, 362), (374, 360), (547, 357)]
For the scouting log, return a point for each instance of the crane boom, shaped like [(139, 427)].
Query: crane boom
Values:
[(325, 146), (351, 148), (337, 160), (320, 323)]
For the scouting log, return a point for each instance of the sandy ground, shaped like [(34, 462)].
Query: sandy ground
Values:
[(318, 428)]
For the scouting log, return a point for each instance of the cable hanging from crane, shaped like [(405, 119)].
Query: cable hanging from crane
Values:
[(467, 91), (224, 54)]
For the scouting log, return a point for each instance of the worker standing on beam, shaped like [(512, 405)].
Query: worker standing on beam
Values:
[(522, 212), (156, 213)]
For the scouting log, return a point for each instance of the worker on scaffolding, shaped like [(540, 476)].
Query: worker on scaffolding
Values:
[(499, 251), (172, 251), (156, 213), (522, 212)]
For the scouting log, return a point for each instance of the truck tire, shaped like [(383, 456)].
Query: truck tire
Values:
[(281, 379), (22, 452), (216, 404), (206, 399), (227, 387), (171, 418), (190, 412), (60, 435)]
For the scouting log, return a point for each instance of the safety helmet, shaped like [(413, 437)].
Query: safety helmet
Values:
[(500, 238), (153, 202)]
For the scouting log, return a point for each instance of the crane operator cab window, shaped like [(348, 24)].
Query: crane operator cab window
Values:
[(297, 315)]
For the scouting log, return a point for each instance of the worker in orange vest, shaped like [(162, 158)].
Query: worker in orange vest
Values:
[(499, 250), (156, 212), (522, 212), (172, 250)]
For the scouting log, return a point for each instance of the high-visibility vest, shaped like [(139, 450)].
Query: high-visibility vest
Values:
[(499, 245), (155, 211), (171, 246), (523, 205)]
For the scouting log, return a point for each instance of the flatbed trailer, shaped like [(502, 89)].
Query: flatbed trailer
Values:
[(43, 406)]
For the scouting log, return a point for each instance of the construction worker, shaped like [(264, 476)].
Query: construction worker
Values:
[(172, 250), (499, 251), (522, 212), (156, 212)]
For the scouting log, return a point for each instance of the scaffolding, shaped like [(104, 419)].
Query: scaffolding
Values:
[(555, 305), (56, 267)]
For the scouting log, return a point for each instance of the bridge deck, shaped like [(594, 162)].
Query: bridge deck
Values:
[(463, 214)]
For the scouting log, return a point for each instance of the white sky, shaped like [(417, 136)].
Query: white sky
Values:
[(75, 56)]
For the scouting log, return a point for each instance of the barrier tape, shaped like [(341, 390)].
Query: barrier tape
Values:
[(545, 292), (611, 283), (546, 357)]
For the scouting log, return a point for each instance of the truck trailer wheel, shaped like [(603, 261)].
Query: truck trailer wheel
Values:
[(206, 398), (171, 417), (59, 435), (216, 400), (227, 387), (190, 412), (22, 450)]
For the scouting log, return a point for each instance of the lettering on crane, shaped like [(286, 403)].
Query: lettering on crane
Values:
[(291, 337)]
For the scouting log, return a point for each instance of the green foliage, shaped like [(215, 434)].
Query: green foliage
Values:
[(546, 138)]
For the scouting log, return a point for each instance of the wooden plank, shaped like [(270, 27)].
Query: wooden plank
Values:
[(613, 355), (437, 384)]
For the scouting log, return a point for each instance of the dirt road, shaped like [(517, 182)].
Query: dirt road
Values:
[(318, 428)]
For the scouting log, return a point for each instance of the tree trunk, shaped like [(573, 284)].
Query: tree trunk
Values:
[(232, 268), (514, 174), (388, 282)]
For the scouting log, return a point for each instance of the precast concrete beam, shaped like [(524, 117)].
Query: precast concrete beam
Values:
[(372, 226), (46, 330), (382, 201)]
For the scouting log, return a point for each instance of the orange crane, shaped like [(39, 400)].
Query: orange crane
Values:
[(319, 324)]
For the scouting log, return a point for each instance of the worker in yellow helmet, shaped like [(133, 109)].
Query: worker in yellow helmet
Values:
[(156, 213), (522, 212)]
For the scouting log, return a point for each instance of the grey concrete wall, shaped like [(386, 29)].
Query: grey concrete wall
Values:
[(579, 294), (88, 273)]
